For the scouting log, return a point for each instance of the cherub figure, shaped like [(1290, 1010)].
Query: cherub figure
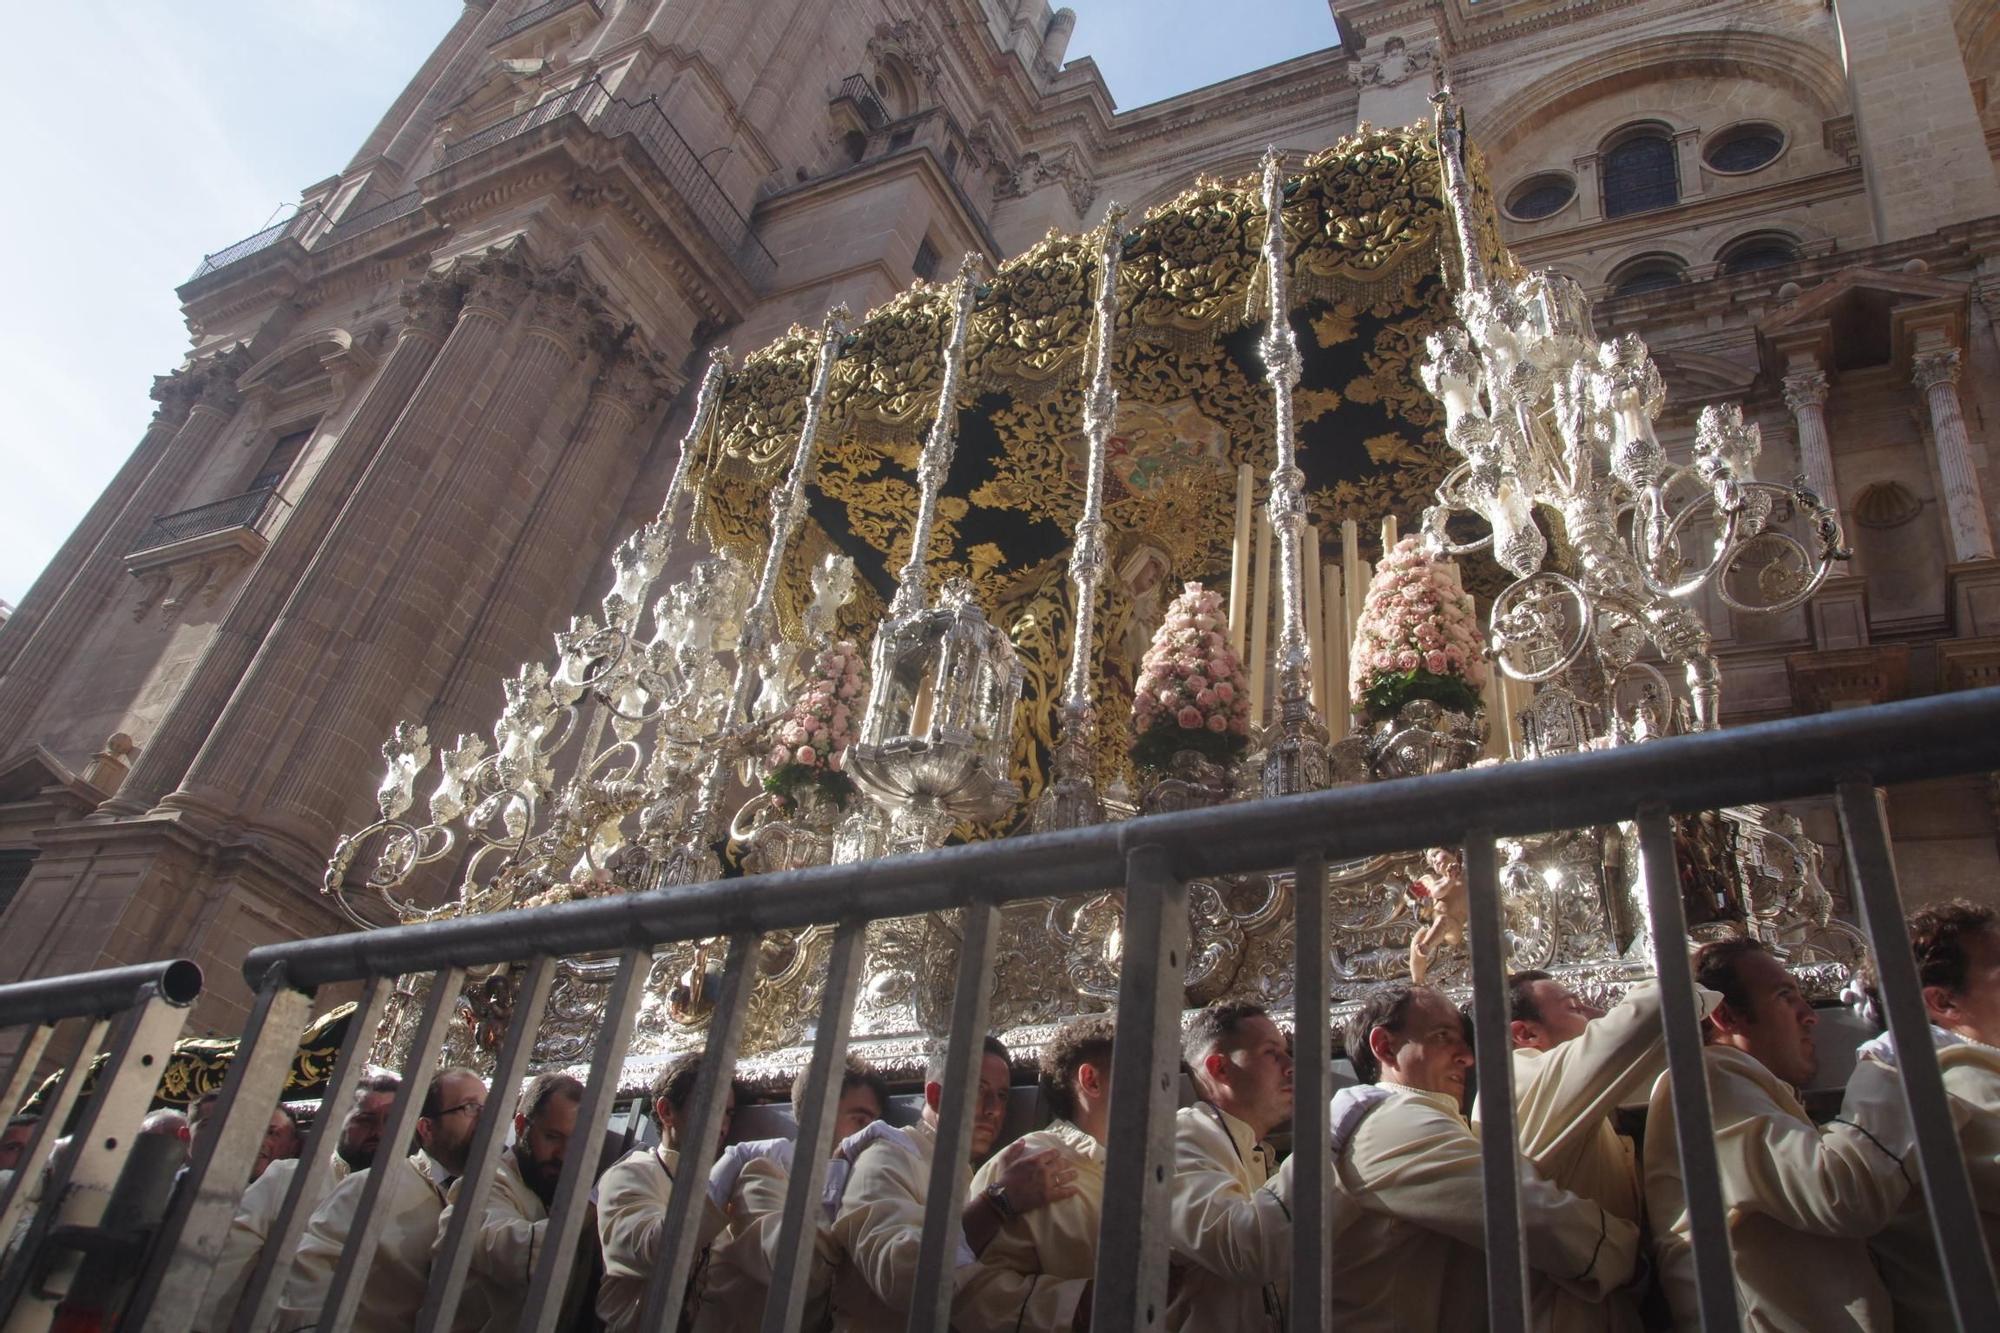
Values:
[(1444, 890)]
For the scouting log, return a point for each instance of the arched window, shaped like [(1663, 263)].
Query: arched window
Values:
[(1648, 273), (1762, 250), (896, 88), (1640, 172), (1541, 196), (1744, 148)]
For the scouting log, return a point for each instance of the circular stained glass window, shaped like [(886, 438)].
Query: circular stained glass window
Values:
[(1744, 148), (1540, 197)]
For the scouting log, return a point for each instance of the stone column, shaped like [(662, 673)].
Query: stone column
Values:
[(1805, 394), (403, 645), (432, 305), (544, 580), (44, 654), (286, 695), (1936, 373), (176, 394)]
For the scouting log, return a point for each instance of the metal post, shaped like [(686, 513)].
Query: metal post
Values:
[(543, 1306), (784, 1305), (1499, 1153), (55, 1114), (1312, 1077), (1131, 1284), (468, 1211), (1947, 1190), (388, 1178), (141, 1040), (930, 1300), (673, 1265), (204, 1203), (1694, 1118), (259, 1302)]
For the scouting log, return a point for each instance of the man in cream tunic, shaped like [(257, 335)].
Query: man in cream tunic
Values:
[(1574, 1065), (1231, 1223), (879, 1229), (1801, 1201), (1035, 1274), (1408, 1243), (509, 1238), (632, 1198), (751, 1181), (1957, 945), (412, 1199), (257, 1213)]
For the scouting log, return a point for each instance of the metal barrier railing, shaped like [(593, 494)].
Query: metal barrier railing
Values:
[(235, 511), (543, 11), (1846, 755)]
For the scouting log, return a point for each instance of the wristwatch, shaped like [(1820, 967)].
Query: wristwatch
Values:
[(997, 1196)]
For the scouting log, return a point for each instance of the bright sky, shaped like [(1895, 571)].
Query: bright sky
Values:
[(199, 123)]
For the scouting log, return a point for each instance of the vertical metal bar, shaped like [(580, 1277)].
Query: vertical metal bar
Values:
[(55, 1113), (1132, 1247), (259, 1301), (1312, 1076), (389, 1176), (141, 1040), (21, 1074), (1506, 1249), (930, 1300), (673, 1266), (1694, 1117), (204, 1203), (784, 1305), (453, 1258), (566, 1215), (1947, 1189)]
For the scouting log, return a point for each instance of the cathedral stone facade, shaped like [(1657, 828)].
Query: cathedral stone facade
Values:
[(416, 417)]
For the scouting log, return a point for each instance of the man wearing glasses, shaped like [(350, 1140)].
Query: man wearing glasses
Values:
[(354, 1150), (412, 1201)]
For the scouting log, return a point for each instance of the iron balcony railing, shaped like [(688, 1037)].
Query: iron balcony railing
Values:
[(855, 88), (251, 245), (237, 511), (1848, 755), (378, 216), (543, 11)]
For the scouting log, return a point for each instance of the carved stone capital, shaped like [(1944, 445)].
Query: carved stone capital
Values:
[(214, 381), (1928, 369), (431, 304), (175, 393), (632, 380), (1805, 388), (497, 284)]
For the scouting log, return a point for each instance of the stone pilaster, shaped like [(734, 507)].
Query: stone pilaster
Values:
[(51, 642), (288, 695), (1935, 372), (432, 305), (1805, 394), (535, 594)]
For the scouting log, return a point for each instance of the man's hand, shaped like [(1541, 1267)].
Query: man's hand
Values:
[(1033, 1180)]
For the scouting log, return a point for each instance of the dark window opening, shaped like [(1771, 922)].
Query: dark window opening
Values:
[(1542, 197), (856, 143), (1640, 174), (1764, 252), (950, 158), (278, 463), (14, 867), (901, 139), (1746, 149), (926, 263), (1651, 275)]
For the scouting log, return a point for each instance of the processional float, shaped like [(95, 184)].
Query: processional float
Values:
[(714, 723)]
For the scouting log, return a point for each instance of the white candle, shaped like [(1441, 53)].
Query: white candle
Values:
[(1355, 573), (1388, 533), (1239, 560), (1260, 621), (1338, 641), (1315, 621)]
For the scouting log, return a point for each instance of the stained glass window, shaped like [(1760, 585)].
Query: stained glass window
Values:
[(1640, 173)]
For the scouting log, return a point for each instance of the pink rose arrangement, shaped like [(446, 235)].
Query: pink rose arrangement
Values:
[(1417, 637), (809, 745), (1191, 694)]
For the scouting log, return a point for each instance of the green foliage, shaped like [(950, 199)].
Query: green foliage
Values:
[(1391, 690), (1156, 746)]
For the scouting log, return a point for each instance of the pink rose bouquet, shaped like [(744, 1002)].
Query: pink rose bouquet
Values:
[(1191, 694), (810, 742), (1417, 637)]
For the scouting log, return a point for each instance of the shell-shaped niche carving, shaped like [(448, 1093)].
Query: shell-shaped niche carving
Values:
[(1886, 504)]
